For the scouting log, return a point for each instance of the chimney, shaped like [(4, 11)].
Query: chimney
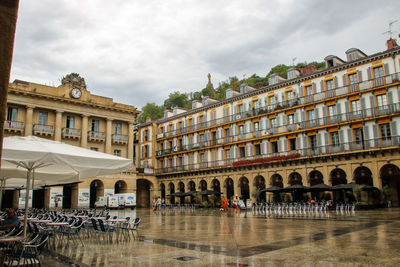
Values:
[(391, 43)]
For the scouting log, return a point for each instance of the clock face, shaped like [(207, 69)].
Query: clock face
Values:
[(76, 93)]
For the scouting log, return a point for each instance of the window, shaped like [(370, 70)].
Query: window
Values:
[(382, 101), (94, 149), (226, 133), (290, 119), (274, 147), (271, 100), (378, 72), (161, 129), (310, 115), (332, 110), (12, 114), (117, 152), (329, 84), (118, 127), (226, 112), (70, 122), (290, 95), (313, 142), (359, 138), (292, 144), (241, 108), (180, 144), (95, 125), (42, 118), (227, 154), (335, 139), (385, 131), (256, 127), (242, 152), (273, 123), (309, 90), (352, 78), (241, 129), (257, 149), (356, 107)]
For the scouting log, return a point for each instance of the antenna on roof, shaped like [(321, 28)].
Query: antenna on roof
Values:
[(293, 60), (390, 32)]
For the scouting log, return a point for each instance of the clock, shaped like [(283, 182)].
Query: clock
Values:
[(76, 93)]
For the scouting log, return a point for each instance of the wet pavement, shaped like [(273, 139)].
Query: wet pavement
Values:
[(214, 238)]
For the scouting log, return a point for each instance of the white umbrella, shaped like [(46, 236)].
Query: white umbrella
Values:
[(56, 162)]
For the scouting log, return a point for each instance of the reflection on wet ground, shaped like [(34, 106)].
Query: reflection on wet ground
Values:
[(214, 238)]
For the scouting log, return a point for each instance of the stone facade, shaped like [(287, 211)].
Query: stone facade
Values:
[(333, 126), (70, 113)]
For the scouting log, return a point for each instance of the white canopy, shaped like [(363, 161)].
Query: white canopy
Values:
[(54, 162), (58, 159)]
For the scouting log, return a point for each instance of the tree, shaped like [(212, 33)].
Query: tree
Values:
[(176, 99), (151, 110)]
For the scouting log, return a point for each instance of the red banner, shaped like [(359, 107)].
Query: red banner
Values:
[(264, 160)]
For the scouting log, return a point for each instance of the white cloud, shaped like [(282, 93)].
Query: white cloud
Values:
[(140, 51)]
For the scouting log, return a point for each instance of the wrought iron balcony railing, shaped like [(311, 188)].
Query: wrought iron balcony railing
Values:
[(298, 100), (349, 147)]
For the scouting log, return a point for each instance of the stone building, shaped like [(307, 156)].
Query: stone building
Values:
[(70, 113), (332, 126)]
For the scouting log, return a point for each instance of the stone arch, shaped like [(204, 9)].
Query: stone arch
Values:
[(244, 188), (276, 180), (390, 175), (259, 183), (96, 191), (229, 187), (202, 185), (295, 178), (315, 177), (162, 191), (191, 187), (171, 187), (363, 175), (70, 196), (120, 187), (181, 187), (143, 193), (216, 185), (338, 176)]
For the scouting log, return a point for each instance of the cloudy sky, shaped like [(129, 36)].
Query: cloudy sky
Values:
[(140, 51)]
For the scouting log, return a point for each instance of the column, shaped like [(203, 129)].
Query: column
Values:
[(84, 131), (108, 136), (130, 141), (28, 121), (57, 128)]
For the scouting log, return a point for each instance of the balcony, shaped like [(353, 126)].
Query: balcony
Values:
[(365, 85), (43, 130), (119, 139), (304, 125), (71, 133), (15, 127), (349, 147), (96, 136)]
